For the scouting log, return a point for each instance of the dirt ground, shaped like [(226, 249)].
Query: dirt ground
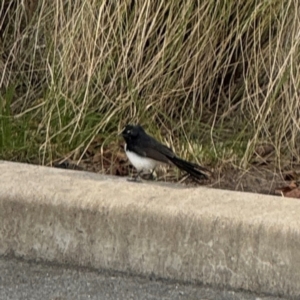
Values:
[(255, 179), (258, 178)]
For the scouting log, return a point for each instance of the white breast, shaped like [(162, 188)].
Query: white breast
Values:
[(139, 162)]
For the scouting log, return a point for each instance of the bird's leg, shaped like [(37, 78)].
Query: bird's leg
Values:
[(135, 178)]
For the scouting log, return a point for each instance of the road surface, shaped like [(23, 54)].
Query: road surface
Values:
[(35, 281)]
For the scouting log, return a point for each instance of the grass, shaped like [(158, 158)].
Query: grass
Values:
[(217, 78)]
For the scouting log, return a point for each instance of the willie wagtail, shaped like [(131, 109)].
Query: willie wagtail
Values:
[(145, 153)]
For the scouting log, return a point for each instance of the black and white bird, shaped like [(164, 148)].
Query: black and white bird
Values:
[(145, 153)]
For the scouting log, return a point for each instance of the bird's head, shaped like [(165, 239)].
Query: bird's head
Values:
[(131, 131)]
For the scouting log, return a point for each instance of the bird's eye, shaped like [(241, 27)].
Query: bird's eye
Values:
[(128, 131)]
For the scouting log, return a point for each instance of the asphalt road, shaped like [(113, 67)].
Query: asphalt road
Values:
[(29, 280)]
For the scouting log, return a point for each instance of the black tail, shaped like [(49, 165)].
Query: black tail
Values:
[(191, 168)]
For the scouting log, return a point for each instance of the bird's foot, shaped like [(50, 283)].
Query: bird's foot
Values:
[(134, 179)]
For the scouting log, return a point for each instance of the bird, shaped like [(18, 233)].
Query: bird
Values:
[(146, 153)]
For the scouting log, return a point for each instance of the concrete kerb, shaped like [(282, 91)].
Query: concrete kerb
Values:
[(223, 238)]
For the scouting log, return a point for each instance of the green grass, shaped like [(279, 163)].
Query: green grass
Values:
[(217, 78)]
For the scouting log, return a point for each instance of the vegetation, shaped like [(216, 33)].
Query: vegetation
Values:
[(220, 77)]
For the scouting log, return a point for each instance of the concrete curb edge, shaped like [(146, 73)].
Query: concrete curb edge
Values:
[(223, 238)]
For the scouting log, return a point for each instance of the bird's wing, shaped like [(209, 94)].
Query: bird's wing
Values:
[(153, 149)]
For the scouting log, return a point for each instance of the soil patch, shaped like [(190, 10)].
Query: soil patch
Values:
[(257, 179)]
